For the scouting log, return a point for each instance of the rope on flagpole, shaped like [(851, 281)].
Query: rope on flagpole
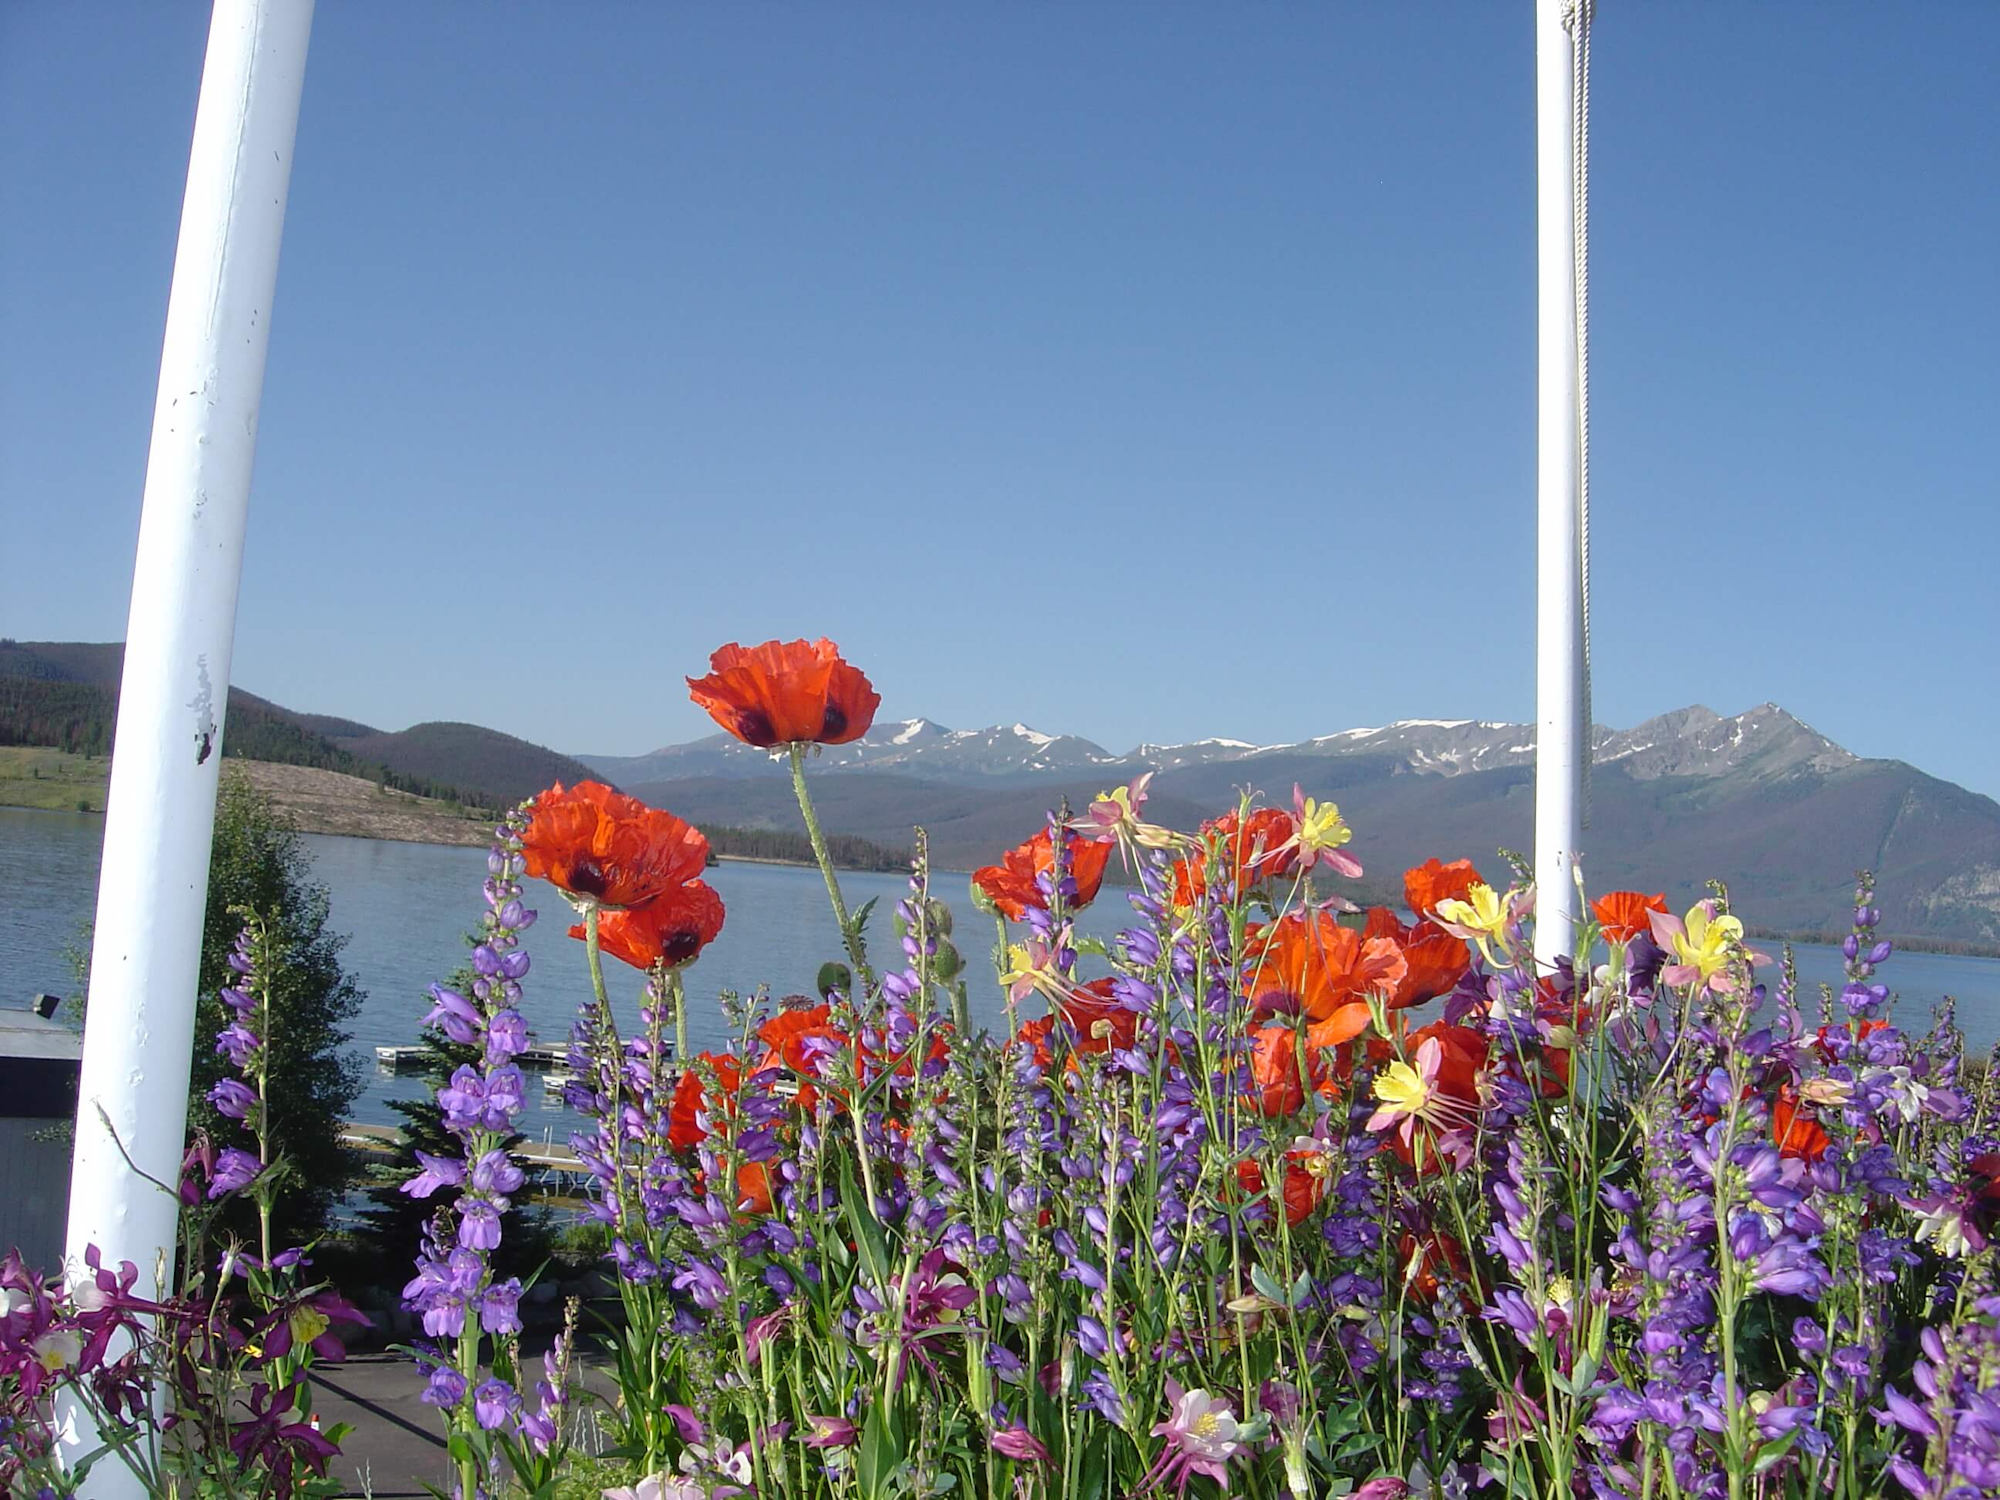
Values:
[(1577, 19)]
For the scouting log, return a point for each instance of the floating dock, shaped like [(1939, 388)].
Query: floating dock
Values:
[(549, 1165), (400, 1059)]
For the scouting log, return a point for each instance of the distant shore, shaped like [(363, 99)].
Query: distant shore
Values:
[(316, 801)]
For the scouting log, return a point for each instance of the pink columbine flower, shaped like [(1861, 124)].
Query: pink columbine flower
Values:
[(1202, 1436)]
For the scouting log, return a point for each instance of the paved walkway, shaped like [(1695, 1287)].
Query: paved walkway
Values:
[(398, 1443)]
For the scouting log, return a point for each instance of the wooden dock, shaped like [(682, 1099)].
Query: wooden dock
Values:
[(548, 1163), (397, 1059)]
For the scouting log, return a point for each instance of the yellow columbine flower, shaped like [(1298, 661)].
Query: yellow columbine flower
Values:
[(1402, 1090), (1709, 942), (308, 1323), (1318, 831), (1483, 917)]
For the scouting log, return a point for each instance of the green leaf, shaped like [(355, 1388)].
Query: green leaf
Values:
[(1774, 1453), (834, 976), (867, 1228), (1269, 1286), (879, 1460)]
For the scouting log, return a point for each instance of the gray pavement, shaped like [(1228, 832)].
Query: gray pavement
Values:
[(397, 1445)]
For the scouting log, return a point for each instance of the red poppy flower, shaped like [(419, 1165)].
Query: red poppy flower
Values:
[(1253, 850), (786, 691), (1431, 882), (1276, 1086), (1622, 914), (1308, 961), (1010, 885), (692, 1105), (591, 841), (671, 929), (1307, 1173), (1795, 1131), (1100, 1022), (1434, 961)]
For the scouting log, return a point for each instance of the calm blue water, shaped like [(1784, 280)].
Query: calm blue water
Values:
[(406, 907)]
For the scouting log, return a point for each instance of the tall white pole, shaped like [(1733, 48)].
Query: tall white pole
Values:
[(151, 894), (1562, 739)]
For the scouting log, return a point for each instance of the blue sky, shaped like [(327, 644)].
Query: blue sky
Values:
[(1143, 372)]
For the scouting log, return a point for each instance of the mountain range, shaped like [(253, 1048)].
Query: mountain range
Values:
[(1759, 799)]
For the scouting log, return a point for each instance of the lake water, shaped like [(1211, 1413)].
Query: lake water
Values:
[(405, 909)]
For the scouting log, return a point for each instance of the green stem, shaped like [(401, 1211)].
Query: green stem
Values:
[(855, 952), (679, 994)]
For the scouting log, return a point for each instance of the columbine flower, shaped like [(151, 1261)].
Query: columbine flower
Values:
[(1202, 1436), (1318, 832), (1114, 818), (1484, 917), (1441, 1091), (1019, 1444), (1702, 945), (1032, 967), (830, 1432), (57, 1349), (786, 692), (657, 1487)]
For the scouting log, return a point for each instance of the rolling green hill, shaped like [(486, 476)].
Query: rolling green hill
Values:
[(64, 695)]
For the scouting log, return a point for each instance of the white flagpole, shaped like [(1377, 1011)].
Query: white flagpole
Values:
[(1562, 738), (152, 890)]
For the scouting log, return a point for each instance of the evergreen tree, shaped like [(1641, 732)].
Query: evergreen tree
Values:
[(259, 861)]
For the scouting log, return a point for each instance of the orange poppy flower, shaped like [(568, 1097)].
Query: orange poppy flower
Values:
[(1307, 1173), (1427, 1261), (671, 929), (1327, 970), (786, 691), (785, 1037), (691, 1105), (1010, 885), (1034, 1035), (1434, 960), (1622, 914), (1430, 882), (591, 841), (1276, 1086), (753, 1188), (1253, 849), (1795, 1131)]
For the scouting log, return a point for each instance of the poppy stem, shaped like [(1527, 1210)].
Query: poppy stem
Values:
[(679, 994), (855, 951)]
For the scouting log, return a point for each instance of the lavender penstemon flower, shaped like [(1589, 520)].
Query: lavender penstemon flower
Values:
[(455, 1291)]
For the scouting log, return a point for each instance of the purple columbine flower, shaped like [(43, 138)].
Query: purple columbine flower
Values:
[(1019, 1444)]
